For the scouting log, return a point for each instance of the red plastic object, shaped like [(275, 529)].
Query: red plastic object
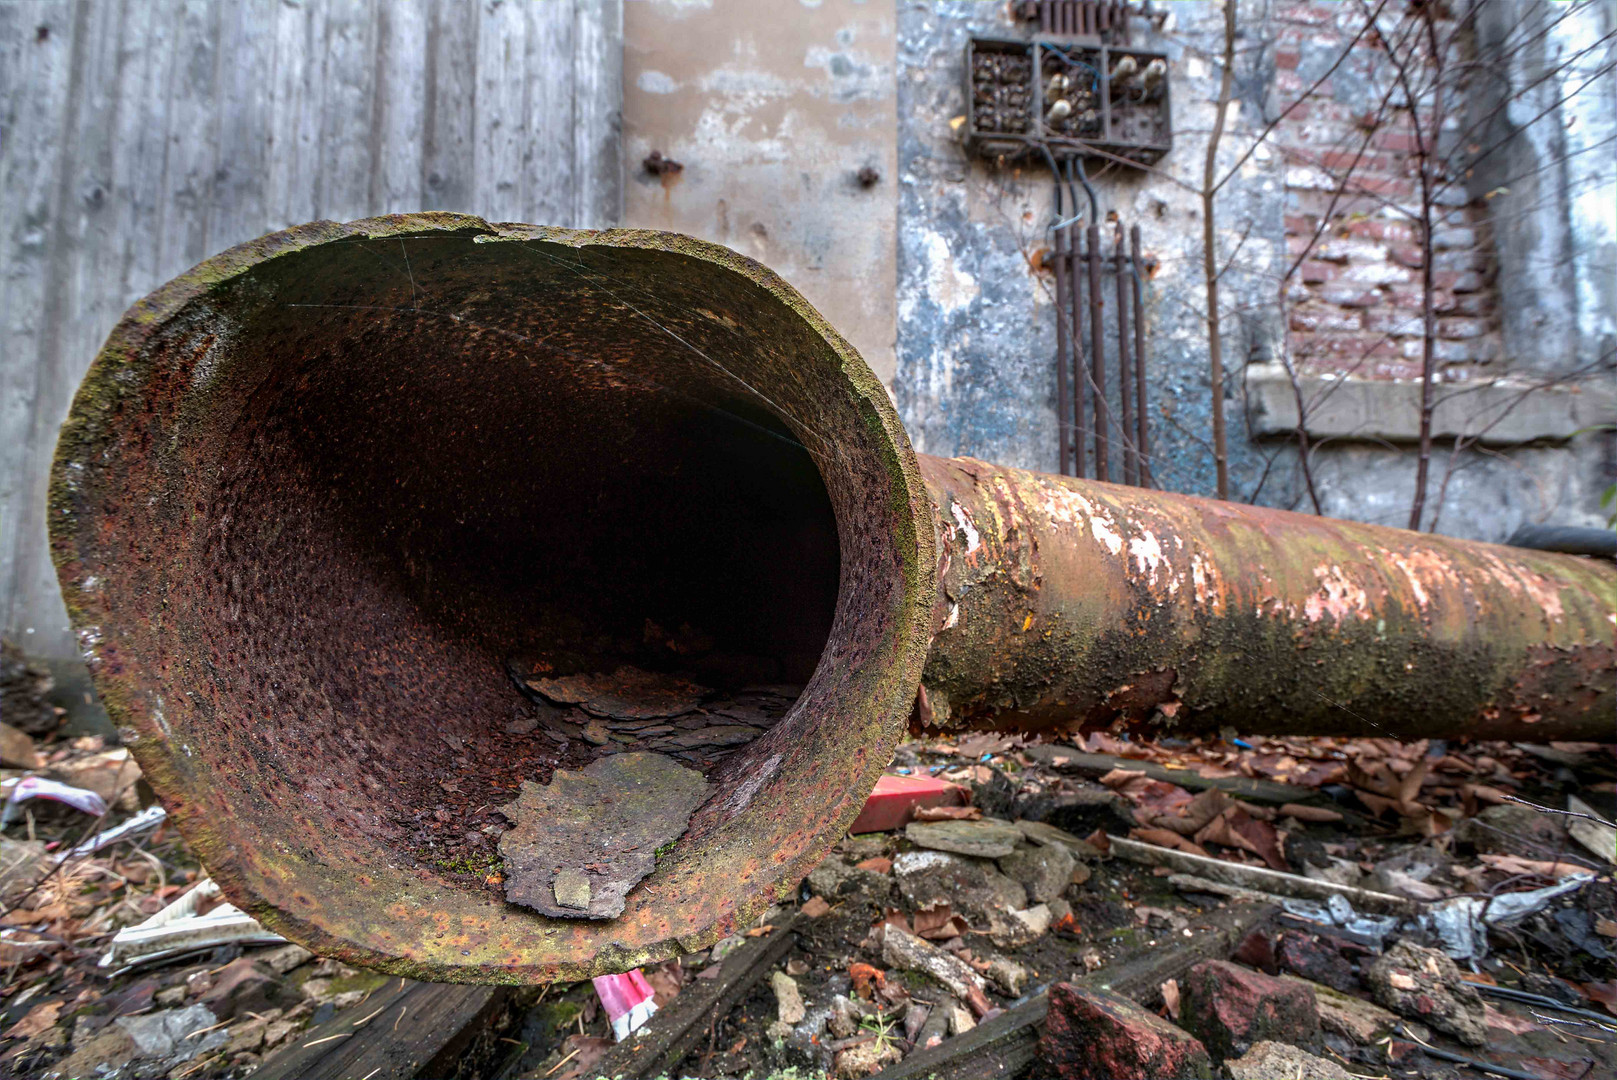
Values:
[(895, 799)]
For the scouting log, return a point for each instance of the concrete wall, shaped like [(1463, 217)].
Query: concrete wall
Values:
[(139, 137), (773, 110)]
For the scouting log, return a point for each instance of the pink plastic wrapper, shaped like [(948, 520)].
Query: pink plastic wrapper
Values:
[(627, 1000)]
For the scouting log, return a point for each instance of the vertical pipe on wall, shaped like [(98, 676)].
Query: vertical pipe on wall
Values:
[(1097, 355), (1080, 427), (1125, 376), (1142, 435), (1064, 330)]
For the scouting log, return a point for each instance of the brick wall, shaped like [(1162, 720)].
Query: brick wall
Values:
[(1354, 301)]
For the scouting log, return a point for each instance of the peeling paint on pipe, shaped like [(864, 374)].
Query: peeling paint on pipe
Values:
[(1079, 604), (311, 493)]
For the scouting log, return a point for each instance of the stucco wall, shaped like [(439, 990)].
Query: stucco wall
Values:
[(772, 110)]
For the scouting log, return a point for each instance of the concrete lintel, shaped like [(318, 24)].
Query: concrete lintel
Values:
[(1497, 412)]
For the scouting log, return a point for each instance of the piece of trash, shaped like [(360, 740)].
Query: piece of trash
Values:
[(38, 787), (179, 930), (580, 843), (1461, 924), (149, 818), (627, 999)]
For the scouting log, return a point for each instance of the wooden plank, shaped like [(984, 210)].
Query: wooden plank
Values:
[(1009, 1043), (144, 135), (673, 1032), (404, 1030)]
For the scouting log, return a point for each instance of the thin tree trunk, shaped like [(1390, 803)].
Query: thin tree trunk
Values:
[(1215, 349)]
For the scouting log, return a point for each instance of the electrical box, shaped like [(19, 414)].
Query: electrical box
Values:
[(1076, 99)]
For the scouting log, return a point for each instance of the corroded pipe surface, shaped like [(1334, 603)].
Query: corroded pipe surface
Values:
[(314, 494), (1067, 603)]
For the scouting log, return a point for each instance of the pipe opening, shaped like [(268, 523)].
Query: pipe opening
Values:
[(353, 519)]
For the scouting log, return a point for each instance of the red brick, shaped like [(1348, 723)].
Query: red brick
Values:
[(1407, 255), (1299, 225), (1315, 272), (893, 802), (1230, 1007), (1401, 141), (1287, 60), (1092, 1035)]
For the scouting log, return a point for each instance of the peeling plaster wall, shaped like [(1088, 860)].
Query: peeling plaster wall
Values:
[(773, 109), (976, 327)]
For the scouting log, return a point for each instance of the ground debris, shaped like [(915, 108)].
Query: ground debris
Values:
[(579, 844), (628, 693)]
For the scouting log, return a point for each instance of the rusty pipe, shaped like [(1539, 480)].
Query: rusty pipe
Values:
[(312, 493), (1067, 604)]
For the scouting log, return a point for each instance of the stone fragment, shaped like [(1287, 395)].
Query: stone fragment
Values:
[(596, 733), (627, 694), (936, 1027), (865, 1058), (1273, 1061), (17, 749), (959, 1018), (1093, 1035), (907, 952), (572, 889), (243, 986), (843, 1021), (834, 878), (1512, 829), (1006, 974), (1424, 984), (789, 1008), (988, 838), (1231, 1008), (170, 997), (1013, 929), (287, 957), (718, 735), (973, 887), (1315, 959), (173, 1035), (1045, 834), (1351, 1017), (107, 1054), (1082, 810), (1044, 872)]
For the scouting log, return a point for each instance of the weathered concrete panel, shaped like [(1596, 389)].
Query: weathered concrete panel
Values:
[(142, 137), (773, 110), (1498, 412)]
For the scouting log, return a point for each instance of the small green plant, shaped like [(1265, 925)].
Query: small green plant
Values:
[(881, 1028)]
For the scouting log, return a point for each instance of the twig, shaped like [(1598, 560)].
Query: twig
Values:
[(1596, 818), (565, 1060)]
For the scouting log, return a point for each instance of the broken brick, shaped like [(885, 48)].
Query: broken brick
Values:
[(1231, 1008), (1093, 1035)]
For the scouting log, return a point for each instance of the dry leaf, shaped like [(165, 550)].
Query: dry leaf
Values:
[(1317, 814), (1170, 998), (864, 977), (939, 923), (1235, 828), (814, 907), (1167, 839), (40, 1018), (877, 865), (1505, 1022), (760, 931), (1603, 992), (1606, 927), (1515, 864)]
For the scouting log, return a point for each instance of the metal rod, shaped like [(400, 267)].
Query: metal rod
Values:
[(1142, 429), (1125, 375), (1063, 332), (1097, 355), (1080, 412)]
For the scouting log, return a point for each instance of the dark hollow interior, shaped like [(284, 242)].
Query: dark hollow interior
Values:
[(408, 506)]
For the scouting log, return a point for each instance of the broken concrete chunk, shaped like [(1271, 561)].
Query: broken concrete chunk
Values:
[(604, 823), (1045, 872), (789, 1008), (1005, 973), (1045, 835), (717, 735), (988, 838), (1352, 1017), (1424, 984), (972, 887), (1268, 1060), (1093, 1035), (1013, 929)]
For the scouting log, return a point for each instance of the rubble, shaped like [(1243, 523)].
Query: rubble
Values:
[(1045, 872), (1273, 1060), (1093, 1035), (904, 950), (1231, 1008), (1424, 984), (988, 838)]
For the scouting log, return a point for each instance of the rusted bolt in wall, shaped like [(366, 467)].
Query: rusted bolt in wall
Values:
[(316, 493)]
